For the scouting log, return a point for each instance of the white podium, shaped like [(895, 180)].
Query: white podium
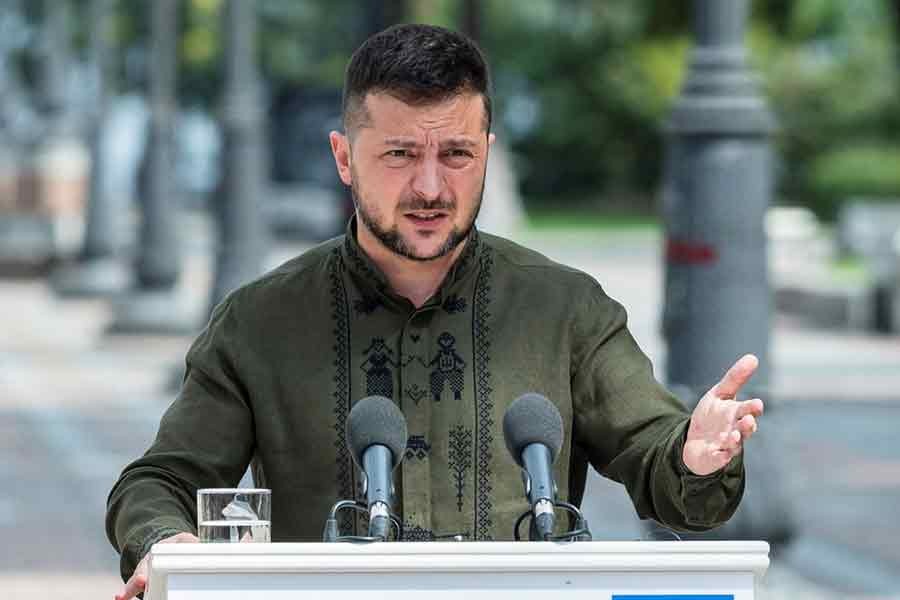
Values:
[(467, 570)]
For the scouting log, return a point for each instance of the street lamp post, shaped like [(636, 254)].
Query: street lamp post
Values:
[(58, 162), (717, 187), (54, 46), (98, 271), (9, 168), (242, 237), (155, 304)]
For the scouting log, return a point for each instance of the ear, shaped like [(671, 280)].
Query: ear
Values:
[(340, 148), (491, 139)]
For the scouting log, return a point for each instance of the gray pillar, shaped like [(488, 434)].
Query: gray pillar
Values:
[(9, 168), (158, 261), (717, 187), (98, 271), (242, 239), (25, 241), (14, 37), (54, 48), (6, 21), (155, 305), (58, 160)]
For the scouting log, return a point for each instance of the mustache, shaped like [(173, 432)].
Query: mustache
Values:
[(422, 204)]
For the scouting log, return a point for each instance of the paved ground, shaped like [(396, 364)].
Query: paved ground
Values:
[(76, 405)]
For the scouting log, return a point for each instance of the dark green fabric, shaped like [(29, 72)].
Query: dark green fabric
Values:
[(273, 376)]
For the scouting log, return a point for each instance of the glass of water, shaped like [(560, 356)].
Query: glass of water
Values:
[(234, 515)]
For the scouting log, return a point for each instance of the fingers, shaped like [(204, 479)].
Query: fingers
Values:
[(729, 440), (136, 583), (753, 407), (736, 377), (744, 428), (747, 426)]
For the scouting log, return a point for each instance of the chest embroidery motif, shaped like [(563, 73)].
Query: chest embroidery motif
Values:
[(454, 304), (417, 447), (378, 368), (460, 459), (415, 393), (449, 368)]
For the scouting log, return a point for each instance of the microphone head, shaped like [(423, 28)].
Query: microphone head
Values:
[(376, 420), (531, 418)]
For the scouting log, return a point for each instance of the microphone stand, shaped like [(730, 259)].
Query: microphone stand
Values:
[(332, 533), (581, 533)]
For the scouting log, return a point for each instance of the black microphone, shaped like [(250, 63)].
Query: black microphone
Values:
[(376, 437), (533, 430)]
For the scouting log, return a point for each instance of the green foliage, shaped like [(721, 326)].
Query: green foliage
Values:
[(593, 220), (872, 171), (601, 77), (583, 86), (596, 106), (310, 42), (200, 50), (831, 78)]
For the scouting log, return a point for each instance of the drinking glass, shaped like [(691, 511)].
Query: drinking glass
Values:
[(234, 515)]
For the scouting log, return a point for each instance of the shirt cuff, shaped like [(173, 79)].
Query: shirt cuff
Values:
[(702, 494), (142, 538)]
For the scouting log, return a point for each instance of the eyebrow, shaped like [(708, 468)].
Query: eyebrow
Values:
[(453, 142)]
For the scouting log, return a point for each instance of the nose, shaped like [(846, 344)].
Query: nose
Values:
[(428, 179)]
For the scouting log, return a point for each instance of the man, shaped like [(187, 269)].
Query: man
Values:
[(452, 324)]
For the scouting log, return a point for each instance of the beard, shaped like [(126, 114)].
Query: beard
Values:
[(394, 241)]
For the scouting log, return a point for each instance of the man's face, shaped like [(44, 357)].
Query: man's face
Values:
[(416, 172)]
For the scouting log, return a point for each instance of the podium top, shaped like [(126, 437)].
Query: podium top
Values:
[(462, 556)]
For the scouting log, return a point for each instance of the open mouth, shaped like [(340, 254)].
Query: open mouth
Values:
[(426, 217)]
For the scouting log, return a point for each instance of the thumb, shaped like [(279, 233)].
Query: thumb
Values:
[(736, 377)]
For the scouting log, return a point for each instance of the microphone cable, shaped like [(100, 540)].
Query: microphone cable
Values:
[(331, 533), (581, 533)]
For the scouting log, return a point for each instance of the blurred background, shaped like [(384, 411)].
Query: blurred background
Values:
[(728, 169)]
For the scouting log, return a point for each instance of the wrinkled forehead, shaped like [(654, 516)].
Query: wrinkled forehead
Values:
[(386, 113)]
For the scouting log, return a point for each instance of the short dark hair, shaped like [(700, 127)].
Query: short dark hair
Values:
[(419, 64)]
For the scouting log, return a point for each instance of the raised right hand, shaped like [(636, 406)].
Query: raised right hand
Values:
[(138, 581)]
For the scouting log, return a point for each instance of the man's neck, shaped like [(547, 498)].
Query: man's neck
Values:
[(415, 280)]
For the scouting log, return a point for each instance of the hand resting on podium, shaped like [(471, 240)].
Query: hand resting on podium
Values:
[(138, 580)]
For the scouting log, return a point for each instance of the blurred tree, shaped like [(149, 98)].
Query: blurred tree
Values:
[(581, 110), (309, 42), (201, 60), (583, 86), (831, 75)]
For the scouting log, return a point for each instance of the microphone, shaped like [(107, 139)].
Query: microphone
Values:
[(533, 430), (376, 437)]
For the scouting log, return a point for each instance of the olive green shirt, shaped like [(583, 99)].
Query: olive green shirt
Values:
[(272, 378)]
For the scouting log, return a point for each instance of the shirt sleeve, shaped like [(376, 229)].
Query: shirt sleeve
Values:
[(205, 439), (632, 429)]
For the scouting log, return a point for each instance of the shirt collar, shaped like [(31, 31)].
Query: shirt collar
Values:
[(372, 280)]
